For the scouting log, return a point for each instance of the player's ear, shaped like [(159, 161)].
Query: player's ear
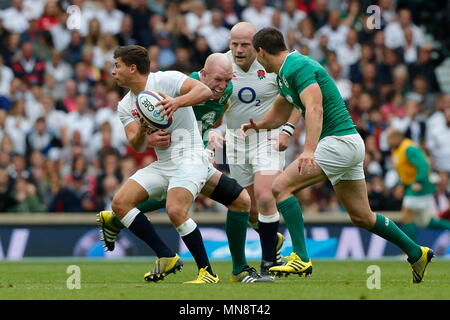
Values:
[(133, 68)]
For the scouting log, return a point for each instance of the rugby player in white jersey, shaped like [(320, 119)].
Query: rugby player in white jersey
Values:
[(255, 161), (181, 169)]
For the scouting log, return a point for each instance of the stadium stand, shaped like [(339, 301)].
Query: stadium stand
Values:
[(62, 148)]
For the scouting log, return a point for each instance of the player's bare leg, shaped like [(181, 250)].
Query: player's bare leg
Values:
[(178, 203), (284, 187), (127, 215), (353, 195), (124, 201)]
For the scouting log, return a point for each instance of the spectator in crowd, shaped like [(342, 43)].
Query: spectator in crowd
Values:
[(84, 76), (412, 125), (40, 138), (50, 16), (319, 16), (387, 76), (27, 200), (61, 35), (110, 18), (7, 200), (6, 76), (60, 70), (229, 14), (28, 67), (290, 16), (73, 197), (352, 17), (344, 85), (81, 119), (94, 33), (349, 53), (201, 52), (166, 50), (17, 126), (125, 35), (395, 30), (198, 16), (335, 31), (426, 66), (18, 167), (438, 140), (72, 54), (216, 35), (258, 14), (14, 17), (104, 51), (182, 61)]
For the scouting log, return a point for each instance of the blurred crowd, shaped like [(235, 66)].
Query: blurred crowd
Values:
[(63, 148)]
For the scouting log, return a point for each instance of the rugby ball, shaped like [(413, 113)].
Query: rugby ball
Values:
[(145, 105)]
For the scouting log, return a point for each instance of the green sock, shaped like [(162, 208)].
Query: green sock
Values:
[(388, 230), (410, 229), (436, 223), (118, 223), (236, 229), (293, 217), (151, 205)]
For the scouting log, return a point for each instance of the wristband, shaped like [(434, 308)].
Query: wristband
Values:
[(288, 128)]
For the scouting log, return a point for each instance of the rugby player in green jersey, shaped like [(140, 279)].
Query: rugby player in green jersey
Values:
[(413, 170), (216, 74), (333, 150)]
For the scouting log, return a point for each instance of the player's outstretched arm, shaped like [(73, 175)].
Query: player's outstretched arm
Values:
[(192, 92), (274, 118)]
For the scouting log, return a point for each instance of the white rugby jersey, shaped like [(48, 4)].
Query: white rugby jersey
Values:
[(253, 94), (185, 135)]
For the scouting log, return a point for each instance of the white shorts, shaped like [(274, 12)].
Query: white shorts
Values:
[(417, 203), (341, 157), (189, 172), (245, 159), (422, 205)]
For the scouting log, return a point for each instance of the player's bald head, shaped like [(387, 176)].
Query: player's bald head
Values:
[(219, 62), (394, 137), (243, 29), (393, 132)]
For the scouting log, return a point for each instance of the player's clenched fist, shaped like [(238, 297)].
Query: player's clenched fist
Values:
[(306, 162), (246, 128), (169, 105)]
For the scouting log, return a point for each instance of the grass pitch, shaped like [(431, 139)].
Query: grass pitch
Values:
[(123, 279)]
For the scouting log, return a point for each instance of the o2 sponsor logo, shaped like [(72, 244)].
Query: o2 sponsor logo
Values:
[(247, 95)]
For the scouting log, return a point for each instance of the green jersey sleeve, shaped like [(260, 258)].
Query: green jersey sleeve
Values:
[(303, 77), (417, 158)]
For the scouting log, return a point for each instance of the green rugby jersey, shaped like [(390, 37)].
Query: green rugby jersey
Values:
[(208, 112), (416, 156), (298, 72)]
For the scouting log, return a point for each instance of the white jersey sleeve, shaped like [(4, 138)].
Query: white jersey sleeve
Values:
[(124, 112)]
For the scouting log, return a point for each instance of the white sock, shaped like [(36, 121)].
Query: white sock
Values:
[(187, 227), (269, 219), (129, 217)]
